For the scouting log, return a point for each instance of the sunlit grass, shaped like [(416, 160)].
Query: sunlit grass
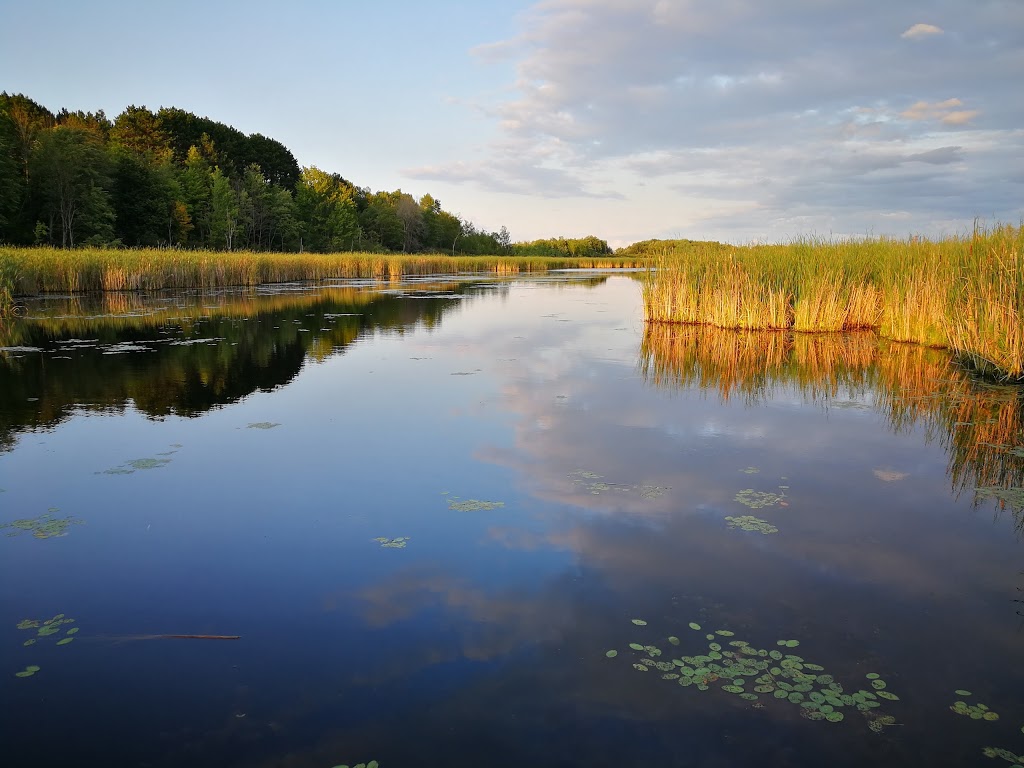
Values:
[(965, 293), (29, 271)]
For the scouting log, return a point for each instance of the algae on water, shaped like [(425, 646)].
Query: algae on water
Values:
[(263, 425)]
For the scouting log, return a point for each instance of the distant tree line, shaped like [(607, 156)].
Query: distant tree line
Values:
[(665, 247), (170, 178), (560, 246)]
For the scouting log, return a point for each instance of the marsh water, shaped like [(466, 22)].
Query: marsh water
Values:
[(430, 511)]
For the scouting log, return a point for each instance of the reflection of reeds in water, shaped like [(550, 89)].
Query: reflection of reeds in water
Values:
[(913, 386)]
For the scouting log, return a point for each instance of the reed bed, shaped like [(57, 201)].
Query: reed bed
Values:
[(29, 271), (964, 293)]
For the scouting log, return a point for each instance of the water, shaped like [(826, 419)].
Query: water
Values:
[(287, 429)]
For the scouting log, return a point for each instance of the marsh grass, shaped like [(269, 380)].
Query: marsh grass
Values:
[(965, 293), (30, 271)]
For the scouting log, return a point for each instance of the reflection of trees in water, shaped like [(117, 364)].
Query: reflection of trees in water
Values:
[(911, 384), (254, 342), (205, 351)]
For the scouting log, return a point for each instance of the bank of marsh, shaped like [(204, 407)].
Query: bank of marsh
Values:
[(965, 293)]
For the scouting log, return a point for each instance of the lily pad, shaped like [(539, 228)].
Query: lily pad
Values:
[(612, 654), (263, 425), (695, 626), (640, 622)]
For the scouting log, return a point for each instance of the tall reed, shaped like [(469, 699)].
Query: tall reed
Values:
[(965, 293), (41, 270)]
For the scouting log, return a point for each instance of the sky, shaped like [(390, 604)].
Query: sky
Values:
[(732, 120)]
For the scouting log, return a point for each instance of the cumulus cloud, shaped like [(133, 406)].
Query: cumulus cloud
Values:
[(922, 30), (749, 105)]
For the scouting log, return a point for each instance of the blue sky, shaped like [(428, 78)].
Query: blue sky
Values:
[(736, 120)]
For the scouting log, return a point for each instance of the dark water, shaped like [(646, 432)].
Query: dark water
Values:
[(286, 430)]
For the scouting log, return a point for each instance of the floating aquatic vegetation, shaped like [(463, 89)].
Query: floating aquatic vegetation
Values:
[(473, 505), (973, 711), (612, 654), (263, 425), (751, 523), (1004, 754), (43, 527), (48, 627), (134, 465), (751, 673), (640, 622), (593, 482), (371, 764), (1007, 497), (759, 499), (889, 476), (30, 670), (396, 543), (750, 470)]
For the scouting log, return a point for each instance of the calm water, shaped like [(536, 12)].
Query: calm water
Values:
[(282, 432)]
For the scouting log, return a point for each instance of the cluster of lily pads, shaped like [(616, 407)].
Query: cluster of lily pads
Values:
[(396, 543), (751, 523), (748, 497), (43, 527), (1004, 754), (594, 483), (28, 671), (473, 505), (134, 465), (48, 627), (973, 711), (736, 667)]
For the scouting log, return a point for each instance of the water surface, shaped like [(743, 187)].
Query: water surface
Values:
[(430, 509)]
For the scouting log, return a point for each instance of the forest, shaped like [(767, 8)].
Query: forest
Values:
[(170, 178)]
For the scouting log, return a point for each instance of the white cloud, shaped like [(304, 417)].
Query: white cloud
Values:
[(921, 30), (739, 119)]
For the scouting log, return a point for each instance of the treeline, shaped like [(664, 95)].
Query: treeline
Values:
[(170, 178), (667, 247), (589, 246)]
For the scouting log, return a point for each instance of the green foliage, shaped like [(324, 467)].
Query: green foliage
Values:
[(576, 247)]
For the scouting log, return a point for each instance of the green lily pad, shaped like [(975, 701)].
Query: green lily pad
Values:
[(695, 626), (65, 641), (636, 646), (674, 640), (640, 622), (872, 675), (962, 692), (834, 717), (612, 654)]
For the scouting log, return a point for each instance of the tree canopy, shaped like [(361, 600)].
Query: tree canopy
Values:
[(172, 178)]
